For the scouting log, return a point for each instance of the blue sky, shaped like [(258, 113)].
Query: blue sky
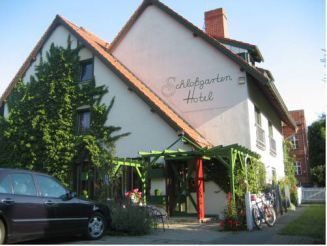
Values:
[(289, 33)]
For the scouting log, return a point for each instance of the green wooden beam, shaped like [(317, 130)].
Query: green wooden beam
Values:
[(140, 174), (185, 139), (116, 168), (223, 161), (126, 162), (232, 174)]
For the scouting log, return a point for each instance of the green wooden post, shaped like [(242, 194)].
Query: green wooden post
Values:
[(145, 180)]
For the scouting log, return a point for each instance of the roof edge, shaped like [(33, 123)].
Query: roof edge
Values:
[(29, 59), (129, 24), (168, 114)]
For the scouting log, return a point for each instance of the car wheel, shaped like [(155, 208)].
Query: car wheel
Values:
[(2, 232), (96, 226)]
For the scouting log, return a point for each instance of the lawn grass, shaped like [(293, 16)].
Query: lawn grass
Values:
[(311, 223)]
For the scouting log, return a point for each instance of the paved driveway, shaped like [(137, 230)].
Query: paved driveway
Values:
[(193, 233)]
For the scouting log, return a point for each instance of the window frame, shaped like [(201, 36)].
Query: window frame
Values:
[(13, 185), (257, 116), (295, 142), (7, 175), (78, 121), (270, 129), (298, 168), (52, 179), (84, 62)]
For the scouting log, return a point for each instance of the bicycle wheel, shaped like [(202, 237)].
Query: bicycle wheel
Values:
[(256, 217), (270, 216)]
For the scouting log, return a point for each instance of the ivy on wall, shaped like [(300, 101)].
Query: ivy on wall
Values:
[(290, 178), (255, 174), (40, 131), (252, 178)]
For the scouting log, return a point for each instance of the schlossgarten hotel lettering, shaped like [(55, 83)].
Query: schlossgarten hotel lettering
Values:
[(196, 88)]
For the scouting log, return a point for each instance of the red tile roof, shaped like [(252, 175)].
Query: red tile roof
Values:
[(99, 47)]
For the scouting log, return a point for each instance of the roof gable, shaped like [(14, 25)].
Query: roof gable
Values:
[(263, 79), (99, 48)]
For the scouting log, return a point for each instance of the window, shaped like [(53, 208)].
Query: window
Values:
[(83, 121), (298, 168), (274, 175), (5, 184), (272, 141), (50, 187), (86, 70), (270, 129), (257, 116), (260, 133), (295, 142), (23, 184)]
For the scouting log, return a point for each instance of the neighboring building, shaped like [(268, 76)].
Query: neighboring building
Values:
[(299, 140), (168, 76)]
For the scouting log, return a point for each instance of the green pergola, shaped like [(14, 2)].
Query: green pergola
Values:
[(229, 156)]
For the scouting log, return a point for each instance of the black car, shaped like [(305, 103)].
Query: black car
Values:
[(35, 205)]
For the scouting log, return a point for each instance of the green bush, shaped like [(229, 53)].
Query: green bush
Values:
[(318, 175), (294, 197), (132, 220)]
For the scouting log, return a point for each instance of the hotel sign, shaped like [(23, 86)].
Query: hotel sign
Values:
[(194, 91)]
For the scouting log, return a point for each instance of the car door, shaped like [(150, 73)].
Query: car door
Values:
[(25, 209), (68, 215)]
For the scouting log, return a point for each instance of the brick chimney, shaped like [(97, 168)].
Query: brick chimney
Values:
[(216, 23)]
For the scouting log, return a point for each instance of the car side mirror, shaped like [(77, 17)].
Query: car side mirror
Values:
[(70, 195)]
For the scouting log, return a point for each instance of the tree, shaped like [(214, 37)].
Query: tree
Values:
[(317, 149), (317, 142), (319, 175), (40, 132)]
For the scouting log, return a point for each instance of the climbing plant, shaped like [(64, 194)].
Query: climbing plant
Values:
[(40, 131), (290, 178), (251, 178)]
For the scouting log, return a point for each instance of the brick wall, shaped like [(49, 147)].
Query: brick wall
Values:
[(301, 141)]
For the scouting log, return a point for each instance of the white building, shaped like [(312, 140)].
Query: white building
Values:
[(169, 76)]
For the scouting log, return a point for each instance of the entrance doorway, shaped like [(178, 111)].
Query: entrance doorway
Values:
[(180, 183)]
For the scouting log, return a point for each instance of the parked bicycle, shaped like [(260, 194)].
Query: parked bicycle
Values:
[(262, 211)]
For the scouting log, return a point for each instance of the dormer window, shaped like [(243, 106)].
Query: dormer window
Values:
[(245, 56), (86, 70)]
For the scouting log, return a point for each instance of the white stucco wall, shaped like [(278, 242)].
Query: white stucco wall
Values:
[(178, 66), (85, 54), (148, 130), (215, 201), (159, 184), (269, 160)]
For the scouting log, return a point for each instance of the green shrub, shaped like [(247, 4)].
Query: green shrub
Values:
[(132, 220), (294, 197)]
